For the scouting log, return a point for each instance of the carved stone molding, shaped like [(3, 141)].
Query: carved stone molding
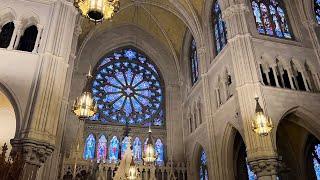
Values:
[(34, 152), (266, 167)]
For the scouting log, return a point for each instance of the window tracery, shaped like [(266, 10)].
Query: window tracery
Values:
[(271, 18), (219, 26), (128, 88)]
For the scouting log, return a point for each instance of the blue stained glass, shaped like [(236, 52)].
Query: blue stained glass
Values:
[(130, 54), (271, 18), (316, 163), (137, 150), (128, 84), (203, 170), (251, 175), (89, 148), (124, 145), (114, 150), (219, 26), (317, 10), (102, 149), (160, 152)]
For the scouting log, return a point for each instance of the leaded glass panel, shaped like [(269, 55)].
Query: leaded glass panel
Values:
[(90, 146)]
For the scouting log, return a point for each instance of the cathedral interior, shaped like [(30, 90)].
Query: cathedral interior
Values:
[(160, 89)]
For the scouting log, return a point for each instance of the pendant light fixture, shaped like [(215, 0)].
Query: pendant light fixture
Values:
[(261, 123)]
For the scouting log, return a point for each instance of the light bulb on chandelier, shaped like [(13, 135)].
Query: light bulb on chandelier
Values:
[(97, 10), (261, 123)]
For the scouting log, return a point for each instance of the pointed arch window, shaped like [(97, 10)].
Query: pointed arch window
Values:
[(102, 149), (159, 148), (6, 34), (317, 10), (316, 160), (28, 39), (89, 148), (137, 150), (271, 18), (114, 150), (203, 171), (124, 145), (194, 61), (219, 27)]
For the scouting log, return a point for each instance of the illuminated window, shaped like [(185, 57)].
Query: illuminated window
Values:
[(90, 146), (114, 150), (219, 26), (194, 61), (102, 149), (271, 18), (203, 172)]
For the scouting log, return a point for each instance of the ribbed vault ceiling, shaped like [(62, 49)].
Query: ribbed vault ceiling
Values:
[(159, 18)]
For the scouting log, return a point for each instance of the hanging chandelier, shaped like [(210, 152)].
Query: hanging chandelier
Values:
[(149, 156), (261, 124), (132, 173), (97, 10), (84, 106)]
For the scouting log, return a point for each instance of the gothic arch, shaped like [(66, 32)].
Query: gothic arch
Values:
[(292, 134), (15, 104), (7, 15), (310, 121), (195, 160)]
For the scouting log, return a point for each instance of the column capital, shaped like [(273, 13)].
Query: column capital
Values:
[(33, 152), (266, 167)]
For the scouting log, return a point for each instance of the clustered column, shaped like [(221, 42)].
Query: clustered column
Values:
[(261, 155)]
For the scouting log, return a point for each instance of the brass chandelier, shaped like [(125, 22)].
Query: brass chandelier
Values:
[(85, 106), (261, 123), (97, 10)]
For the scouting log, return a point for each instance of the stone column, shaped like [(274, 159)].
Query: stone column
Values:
[(36, 44), (246, 70), (17, 26), (33, 153)]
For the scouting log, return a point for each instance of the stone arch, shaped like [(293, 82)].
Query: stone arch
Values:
[(195, 161), (227, 150), (291, 136), (7, 15), (185, 59), (310, 121), (29, 19), (15, 104)]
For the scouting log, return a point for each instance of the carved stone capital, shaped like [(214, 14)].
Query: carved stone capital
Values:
[(265, 167), (33, 152)]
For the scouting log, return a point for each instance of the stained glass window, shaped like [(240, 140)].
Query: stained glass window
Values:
[(89, 148), (159, 152), (316, 163), (251, 175), (219, 27), (125, 144), (102, 149), (114, 150), (271, 18), (203, 172), (194, 61), (317, 10), (128, 88), (137, 150)]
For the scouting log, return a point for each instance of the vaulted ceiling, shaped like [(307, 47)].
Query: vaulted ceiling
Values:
[(159, 18)]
